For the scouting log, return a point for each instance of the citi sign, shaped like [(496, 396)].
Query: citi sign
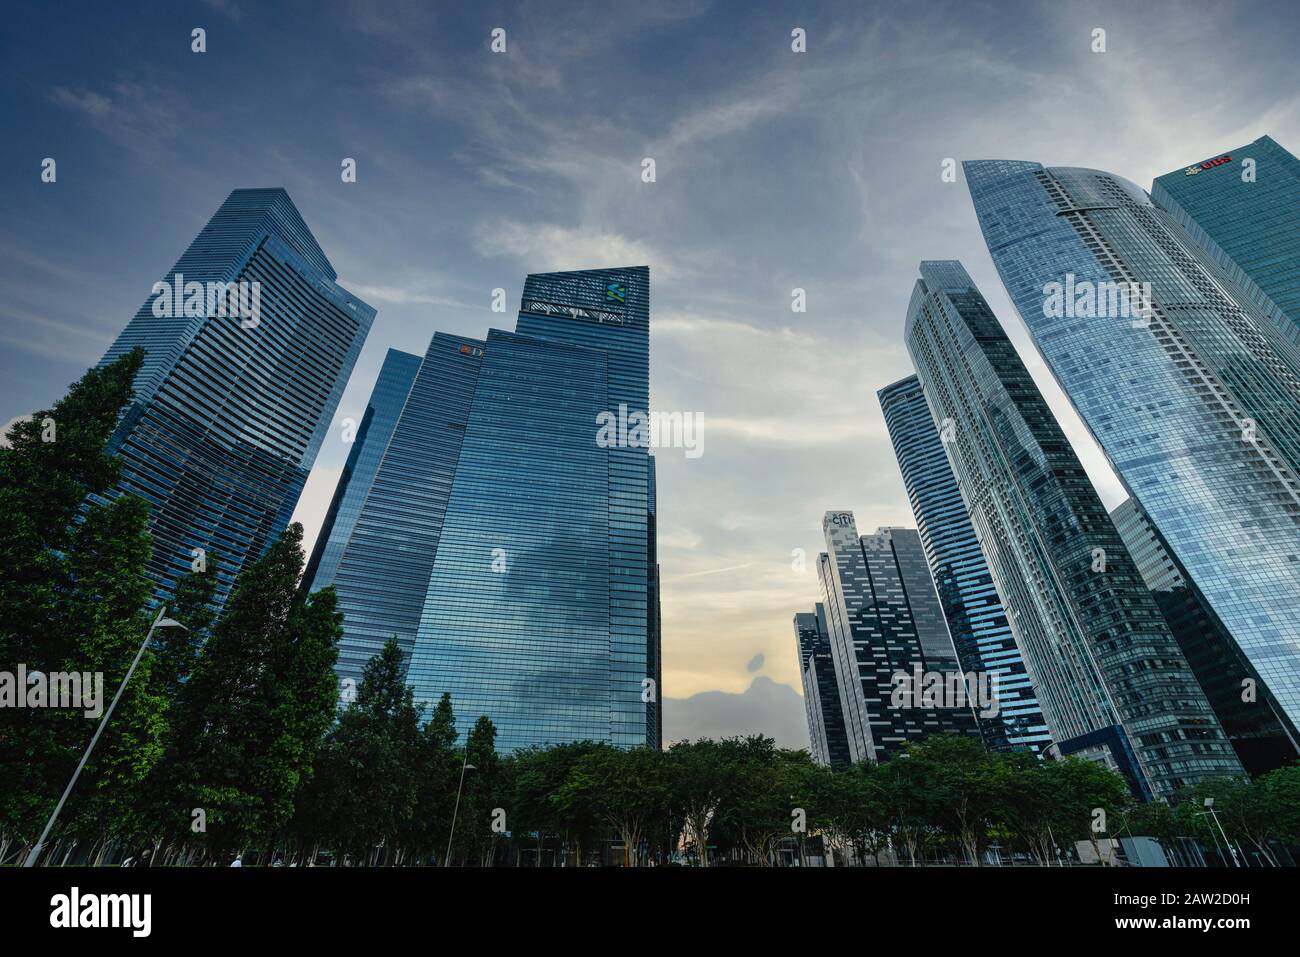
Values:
[(1208, 164)]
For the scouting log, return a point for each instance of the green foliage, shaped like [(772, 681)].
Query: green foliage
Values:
[(72, 596), (255, 710), (365, 780)]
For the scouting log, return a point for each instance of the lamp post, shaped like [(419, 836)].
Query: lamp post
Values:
[(1209, 805), (158, 622), (466, 766)]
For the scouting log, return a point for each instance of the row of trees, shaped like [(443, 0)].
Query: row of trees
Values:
[(229, 738)]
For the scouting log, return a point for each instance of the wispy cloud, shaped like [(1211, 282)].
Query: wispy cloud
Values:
[(136, 115)]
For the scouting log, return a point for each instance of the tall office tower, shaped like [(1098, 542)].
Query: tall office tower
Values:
[(379, 556), (827, 740), (976, 618), (654, 625), (238, 387), (1112, 682), (884, 621), (537, 607), (369, 442), (1256, 726), (1243, 208), (1196, 403)]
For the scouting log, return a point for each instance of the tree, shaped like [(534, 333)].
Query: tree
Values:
[(961, 788), (626, 789), (437, 771), (474, 837), (1258, 813), (261, 697), (540, 803), (365, 777), (767, 785), (72, 585), (701, 779)]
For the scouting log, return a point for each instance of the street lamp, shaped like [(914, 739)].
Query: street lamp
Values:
[(1209, 804), (466, 766), (158, 622)]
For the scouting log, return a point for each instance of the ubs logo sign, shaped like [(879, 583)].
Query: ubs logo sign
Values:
[(1208, 164)]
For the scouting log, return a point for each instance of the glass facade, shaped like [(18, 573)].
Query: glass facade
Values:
[(538, 608), (976, 617), (883, 618), (1112, 683), (827, 740), (1246, 217), (1197, 404), (1256, 726), (372, 436), (383, 569), (230, 411), (654, 626)]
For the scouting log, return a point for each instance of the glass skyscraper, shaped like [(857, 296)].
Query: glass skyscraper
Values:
[(1196, 403), (230, 410), (976, 618), (369, 444), (1256, 726), (483, 522), (827, 740), (884, 620), (1112, 682), (379, 551), (1243, 208)]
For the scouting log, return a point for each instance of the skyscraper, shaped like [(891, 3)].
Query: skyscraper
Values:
[(249, 342), (1256, 726), (976, 618), (369, 443), (827, 740), (884, 622), (1243, 208), (536, 609), (1196, 402), (1112, 683), (379, 559), (654, 625)]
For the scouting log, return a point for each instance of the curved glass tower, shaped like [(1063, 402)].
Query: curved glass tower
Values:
[(1196, 403), (1112, 682)]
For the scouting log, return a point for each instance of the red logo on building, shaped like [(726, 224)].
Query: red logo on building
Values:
[(1209, 164)]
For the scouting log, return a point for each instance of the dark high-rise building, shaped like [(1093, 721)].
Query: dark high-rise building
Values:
[(976, 617), (1195, 398), (884, 622), (249, 343), (1111, 680), (1256, 726), (827, 740), (1243, 208), (537, 606)]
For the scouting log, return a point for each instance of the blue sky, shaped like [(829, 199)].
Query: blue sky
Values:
[(775, 170)]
